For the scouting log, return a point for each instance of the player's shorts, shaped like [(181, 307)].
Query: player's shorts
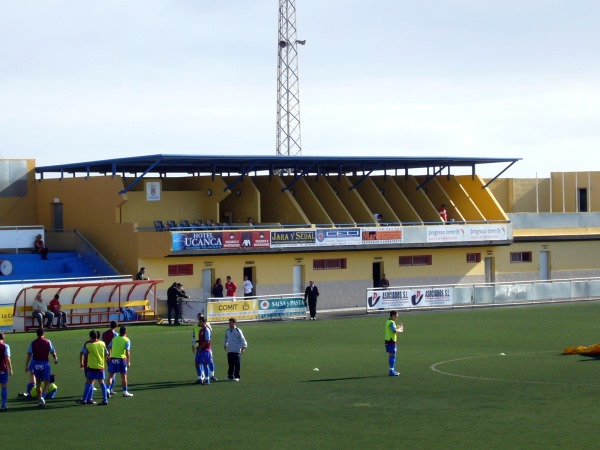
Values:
[(3, 377), (390, 348), (41, 370), (117, 365), (95, 374), (204, 357)]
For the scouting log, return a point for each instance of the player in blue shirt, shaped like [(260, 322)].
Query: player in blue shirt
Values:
[(37, 355), (195, 333), (203, 350)]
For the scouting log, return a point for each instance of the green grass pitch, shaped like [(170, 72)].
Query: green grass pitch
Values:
[(455, 390)]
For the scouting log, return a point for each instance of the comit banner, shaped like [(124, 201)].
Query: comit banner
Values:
[(408, 298), (240, 309)]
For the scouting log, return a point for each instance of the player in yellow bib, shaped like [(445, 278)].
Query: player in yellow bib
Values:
[(391, 336), (119, 360), (92, 358)]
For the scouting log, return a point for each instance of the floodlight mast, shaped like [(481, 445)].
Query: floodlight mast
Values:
[(288, 88)]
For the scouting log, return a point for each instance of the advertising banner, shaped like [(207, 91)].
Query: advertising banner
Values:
[(196, 240), (381, 235), (490, 232), (240, 309), (409, 298), (448, 233), (6, 317), (339, 236), (281, 307), (255, 239), (292, 238), (466, 233)]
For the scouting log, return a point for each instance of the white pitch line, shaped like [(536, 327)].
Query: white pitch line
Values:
[(434, 367)]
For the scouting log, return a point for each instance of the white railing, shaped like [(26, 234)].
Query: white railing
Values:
[(483, 294)]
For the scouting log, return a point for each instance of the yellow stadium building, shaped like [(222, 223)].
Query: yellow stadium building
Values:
[(341, 222)]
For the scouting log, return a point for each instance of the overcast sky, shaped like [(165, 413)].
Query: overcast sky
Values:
[(83, 80)]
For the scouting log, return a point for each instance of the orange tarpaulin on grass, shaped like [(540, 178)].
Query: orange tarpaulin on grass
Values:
[(581, 350)]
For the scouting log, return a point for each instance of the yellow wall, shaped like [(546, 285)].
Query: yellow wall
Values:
[(556, 194), (109, 220), (277, 205), (243, 202), (565, 186), (91, 206), (184, 198), (20, 210)]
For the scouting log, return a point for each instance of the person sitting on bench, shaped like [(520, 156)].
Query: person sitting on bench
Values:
[(40, 247), (39, 311)]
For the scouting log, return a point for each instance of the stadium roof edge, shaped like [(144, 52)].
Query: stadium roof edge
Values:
[(242, 165)]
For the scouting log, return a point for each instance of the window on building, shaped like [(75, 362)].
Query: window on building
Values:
[(517, 257), (416, 260), (473, 258), (329, 264), (176, 270)]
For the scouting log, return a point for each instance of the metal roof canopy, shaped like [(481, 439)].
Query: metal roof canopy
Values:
[(196, 165)]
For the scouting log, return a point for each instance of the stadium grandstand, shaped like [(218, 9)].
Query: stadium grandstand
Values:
[(341, 222)]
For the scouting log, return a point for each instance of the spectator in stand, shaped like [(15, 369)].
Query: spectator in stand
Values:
[(250, 222), (248, 287), (230, 287), (443, 212), (61, 316), (39, 311), (217, 290), (40, 247), (141, 275)]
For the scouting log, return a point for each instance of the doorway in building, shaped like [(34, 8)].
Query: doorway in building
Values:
[(582, 199), (377, 274), (490, 269), (544, 265), (251, 274), (57, 216), (298, 280), (207, 282)]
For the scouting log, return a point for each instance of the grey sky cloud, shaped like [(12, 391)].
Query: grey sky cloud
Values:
[(502, 78)]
